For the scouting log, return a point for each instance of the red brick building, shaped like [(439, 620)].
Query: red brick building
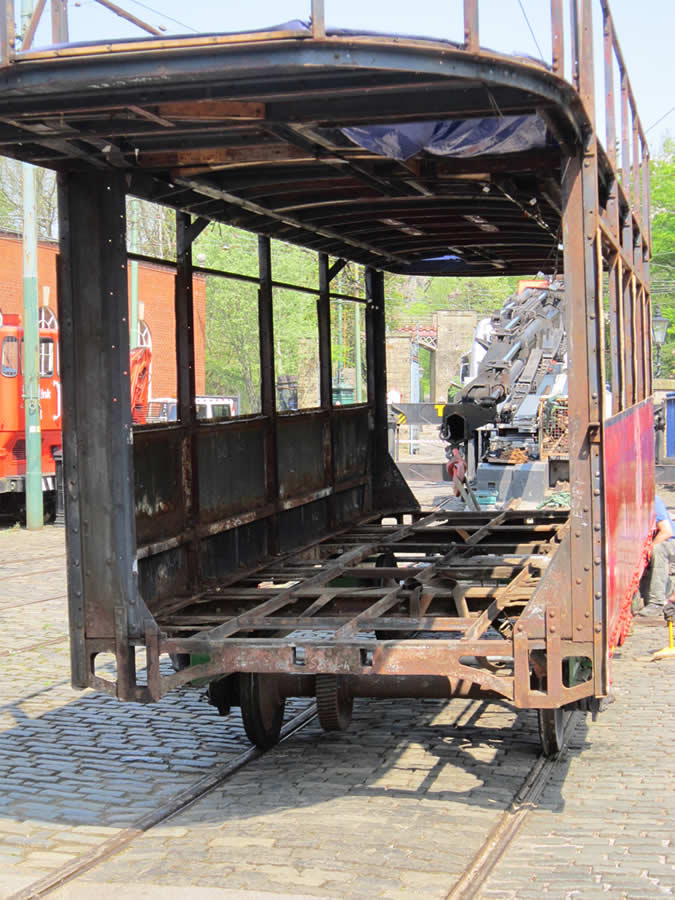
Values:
[(156, 307)]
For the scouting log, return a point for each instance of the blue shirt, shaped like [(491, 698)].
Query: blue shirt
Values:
[(662, 514)]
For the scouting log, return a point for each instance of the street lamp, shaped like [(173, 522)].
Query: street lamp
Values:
[(659, 331)]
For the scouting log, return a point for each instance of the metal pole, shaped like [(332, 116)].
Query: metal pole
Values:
[(133, 300), (31, 378), (357, 352)]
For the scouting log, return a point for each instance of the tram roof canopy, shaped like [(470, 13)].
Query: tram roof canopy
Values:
[(405, 154)]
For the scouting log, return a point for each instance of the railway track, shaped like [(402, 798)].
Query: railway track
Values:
[(38, 646), (5, 606), (12, 575), (466, 886)]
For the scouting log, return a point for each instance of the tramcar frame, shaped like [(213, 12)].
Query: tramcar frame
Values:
[(272, 581)]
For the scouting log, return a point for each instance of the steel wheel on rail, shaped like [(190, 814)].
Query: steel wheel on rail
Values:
[(552, 729), (333, 703), (262, 708)]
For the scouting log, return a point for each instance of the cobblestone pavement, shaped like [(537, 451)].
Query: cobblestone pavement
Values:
[(395, 807)]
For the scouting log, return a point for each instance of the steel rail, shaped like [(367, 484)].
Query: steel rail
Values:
[(502, 835), (31, 573), (179, 802), (57, 640), (4, 606)]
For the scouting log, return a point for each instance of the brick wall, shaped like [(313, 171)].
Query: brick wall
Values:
[(398, 366), (155, 292)]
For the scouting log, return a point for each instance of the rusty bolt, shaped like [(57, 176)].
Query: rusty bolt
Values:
[(551, 613), (552, 629), (580, 627), (578, 580)]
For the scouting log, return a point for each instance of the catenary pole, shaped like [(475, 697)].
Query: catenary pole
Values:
[(31, 378)]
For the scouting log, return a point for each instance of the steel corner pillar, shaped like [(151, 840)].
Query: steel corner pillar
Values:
[(97, 427)]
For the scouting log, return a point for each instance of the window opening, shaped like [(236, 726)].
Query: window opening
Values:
[(296, 350), (46, 358), (144, 336), (47, 318), (348, 352), (9, 365)]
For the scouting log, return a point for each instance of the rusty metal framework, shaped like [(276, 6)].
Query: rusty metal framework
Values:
[(296, 571)]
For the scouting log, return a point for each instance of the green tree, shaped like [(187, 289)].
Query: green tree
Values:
[(663, 246), (11, 199)]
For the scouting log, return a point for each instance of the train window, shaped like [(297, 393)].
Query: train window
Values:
[(46, 358), (9, 357), (46, 318)]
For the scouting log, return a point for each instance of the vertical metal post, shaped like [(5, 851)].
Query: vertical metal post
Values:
[(625, 144), (357, 353), (616, 335), (268, 387), (97, 428), (636, 169), (7, 32), (580, 236), (629, 337), (30, 362), (318, 19), (325, 378), (574, 41), (133, 270), (471, 34), (59, 21), (323, 315), (610, 99), (377, 360), (557, 38), (187, 413)]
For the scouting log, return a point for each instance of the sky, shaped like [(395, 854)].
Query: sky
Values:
[(646, 32)]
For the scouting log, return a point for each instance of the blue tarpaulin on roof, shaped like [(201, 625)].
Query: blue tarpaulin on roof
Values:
[(463, 137)]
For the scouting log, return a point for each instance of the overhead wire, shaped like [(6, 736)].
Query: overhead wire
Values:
[(658, 121), (534, 37), (162, 15)]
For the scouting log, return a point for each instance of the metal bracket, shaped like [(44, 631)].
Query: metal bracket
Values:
[(191, 234)]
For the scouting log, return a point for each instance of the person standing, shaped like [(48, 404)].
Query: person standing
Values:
[(663, 552)]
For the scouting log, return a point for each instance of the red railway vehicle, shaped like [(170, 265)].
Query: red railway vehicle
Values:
[(281, 553), (12, 414)]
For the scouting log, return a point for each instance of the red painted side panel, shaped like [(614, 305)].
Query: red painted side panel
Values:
[(629, 507)]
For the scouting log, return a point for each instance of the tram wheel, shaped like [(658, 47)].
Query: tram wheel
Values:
[(551, 730), (262, 708), (333, 703)]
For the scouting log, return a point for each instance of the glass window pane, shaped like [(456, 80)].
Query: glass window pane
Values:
[(9, 365), (46, 361)]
